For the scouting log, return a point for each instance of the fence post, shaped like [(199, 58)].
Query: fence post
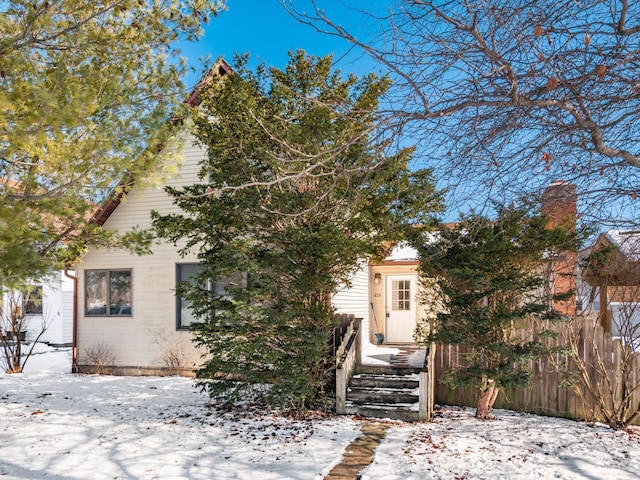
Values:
[(423, 396)]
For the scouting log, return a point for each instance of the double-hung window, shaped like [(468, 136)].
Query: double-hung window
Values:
[(185, 272), (108, 293), (188, 272), (33, 301)]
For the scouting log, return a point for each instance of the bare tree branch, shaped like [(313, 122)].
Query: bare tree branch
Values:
[(505, 98)]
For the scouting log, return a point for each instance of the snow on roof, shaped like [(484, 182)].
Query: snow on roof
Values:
[(628, 242), (402, 251)]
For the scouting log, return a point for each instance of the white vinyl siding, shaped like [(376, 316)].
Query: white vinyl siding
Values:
[(355, 299), (134, 340), (57, 313)]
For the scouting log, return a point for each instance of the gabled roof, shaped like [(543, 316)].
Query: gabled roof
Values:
[(628, 242), (100, 216), (218, 70), (621, 265)]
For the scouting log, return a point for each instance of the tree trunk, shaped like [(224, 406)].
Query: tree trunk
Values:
[(486, 398)]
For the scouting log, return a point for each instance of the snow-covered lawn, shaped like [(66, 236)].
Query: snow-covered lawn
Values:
[(62, 426)]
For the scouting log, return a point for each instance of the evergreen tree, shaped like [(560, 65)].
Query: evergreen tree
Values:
[(87, 89), (288, 209), (492, 275)]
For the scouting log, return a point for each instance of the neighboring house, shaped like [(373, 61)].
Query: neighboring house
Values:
[(559, 202), (47, 307), (613, 275), (55, 311)]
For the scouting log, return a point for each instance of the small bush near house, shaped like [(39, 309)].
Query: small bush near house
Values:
[(97, 357), (172, 352)]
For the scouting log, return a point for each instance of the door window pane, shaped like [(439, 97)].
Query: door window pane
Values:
[(401, 295)]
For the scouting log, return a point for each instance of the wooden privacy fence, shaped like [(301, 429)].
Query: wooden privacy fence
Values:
[(559, 387)]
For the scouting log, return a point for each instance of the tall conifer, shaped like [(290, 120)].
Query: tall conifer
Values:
[(289, 208)]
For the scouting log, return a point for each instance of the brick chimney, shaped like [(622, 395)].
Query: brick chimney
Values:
[(559, 202)]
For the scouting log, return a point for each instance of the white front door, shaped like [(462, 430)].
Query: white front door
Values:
[(400, 305)]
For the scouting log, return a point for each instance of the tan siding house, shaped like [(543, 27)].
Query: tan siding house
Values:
[(139, 327), (133, 332), (128, 319)]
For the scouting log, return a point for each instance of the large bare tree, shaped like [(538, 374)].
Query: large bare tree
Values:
[(505, 96)]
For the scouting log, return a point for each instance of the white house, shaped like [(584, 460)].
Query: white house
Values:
[(48, 310), (128, 315), (127, 308), (129, 319)]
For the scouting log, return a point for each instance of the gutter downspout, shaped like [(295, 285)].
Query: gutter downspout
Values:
[(74, 345)]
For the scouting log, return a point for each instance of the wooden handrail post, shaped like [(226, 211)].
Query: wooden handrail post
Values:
[(357, 323), (426, 385), (341, 391), (350, 356)]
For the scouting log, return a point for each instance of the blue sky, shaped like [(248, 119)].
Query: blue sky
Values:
[(265, 30)]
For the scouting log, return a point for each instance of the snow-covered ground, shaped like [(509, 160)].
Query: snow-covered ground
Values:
[(62, 426)]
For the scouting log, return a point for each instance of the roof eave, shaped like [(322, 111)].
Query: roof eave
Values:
[(219, 68)]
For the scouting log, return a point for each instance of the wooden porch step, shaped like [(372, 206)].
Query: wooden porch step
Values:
[(382, 396), (386, 370), (384, 392), (403, 413), (385, 381)]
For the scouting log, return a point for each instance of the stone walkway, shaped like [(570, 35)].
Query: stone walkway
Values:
[(360, 452)]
